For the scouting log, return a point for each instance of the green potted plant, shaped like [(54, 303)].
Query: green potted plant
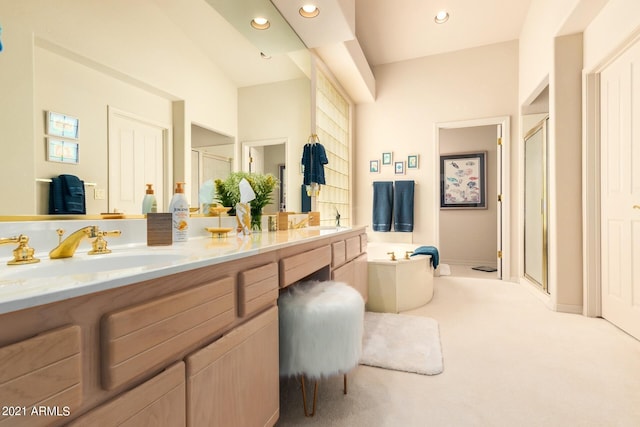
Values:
[(228, 193)]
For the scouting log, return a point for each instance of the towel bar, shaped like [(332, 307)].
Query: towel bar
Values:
[(87, 184)]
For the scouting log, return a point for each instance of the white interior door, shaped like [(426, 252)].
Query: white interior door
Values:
[(136, 158), (620, 204)]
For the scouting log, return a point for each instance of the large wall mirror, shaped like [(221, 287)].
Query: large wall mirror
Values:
[(536, 205), (190, 74)]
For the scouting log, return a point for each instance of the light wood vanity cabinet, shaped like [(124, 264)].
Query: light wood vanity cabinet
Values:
[(159, 402), (41, 374), (235, 380), (197, 348), (144, 337), (349, 263)]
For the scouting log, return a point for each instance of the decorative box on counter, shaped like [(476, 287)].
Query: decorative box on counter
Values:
[(292, 220)]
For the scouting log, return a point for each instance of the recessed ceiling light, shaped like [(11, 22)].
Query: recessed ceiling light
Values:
[(441, 17), (309, 11), (260, 23)]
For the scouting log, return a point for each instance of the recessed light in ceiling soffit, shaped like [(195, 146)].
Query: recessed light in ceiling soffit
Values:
[(441, 17), (309, 11), (278, 39)]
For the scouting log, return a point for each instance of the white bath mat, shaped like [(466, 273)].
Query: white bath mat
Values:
[(402, 343)]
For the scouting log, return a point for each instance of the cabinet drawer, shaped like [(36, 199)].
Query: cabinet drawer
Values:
[(300, 266), (257, 288), (353, 247), (159, 402), (338, 253), (42, 371), (139, 339), (235, 380)]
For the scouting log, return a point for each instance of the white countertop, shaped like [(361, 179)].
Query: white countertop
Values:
[(25, 286)]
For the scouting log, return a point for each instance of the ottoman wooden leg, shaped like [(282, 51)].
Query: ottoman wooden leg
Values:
[(345, 383), (304, 398)]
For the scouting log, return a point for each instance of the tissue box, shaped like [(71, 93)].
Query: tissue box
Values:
[(159, 229)]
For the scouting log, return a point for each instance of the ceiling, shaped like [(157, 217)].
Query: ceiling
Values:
[(392, 31), (387, 31)]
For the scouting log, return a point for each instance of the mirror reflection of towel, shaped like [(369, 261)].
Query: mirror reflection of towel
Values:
[(66, 195), (382, 205), (403, 206)]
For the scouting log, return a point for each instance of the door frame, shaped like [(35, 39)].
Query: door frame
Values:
[(504, 173), (591, 178)]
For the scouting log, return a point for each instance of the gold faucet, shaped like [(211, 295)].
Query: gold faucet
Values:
[(406, 254), (100, 245), (393, 255), (23, 254), (303, 223), (67, 247)]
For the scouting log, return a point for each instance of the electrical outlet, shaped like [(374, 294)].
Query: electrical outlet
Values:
[(98, 194)]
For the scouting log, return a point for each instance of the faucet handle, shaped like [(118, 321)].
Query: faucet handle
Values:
[(100, 244), (23, 254), (406, 254), (60, 233), (393, 255)]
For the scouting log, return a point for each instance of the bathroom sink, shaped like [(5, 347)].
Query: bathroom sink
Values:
[(89, 264)]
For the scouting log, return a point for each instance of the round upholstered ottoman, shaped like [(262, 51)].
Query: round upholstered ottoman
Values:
[(321, 326)]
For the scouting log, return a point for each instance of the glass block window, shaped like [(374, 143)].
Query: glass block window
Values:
[(333, 117)]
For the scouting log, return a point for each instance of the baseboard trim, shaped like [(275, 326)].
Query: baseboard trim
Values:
[(569, 308)]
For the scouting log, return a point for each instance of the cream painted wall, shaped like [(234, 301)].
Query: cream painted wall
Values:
[(109, 36), (412, 96), (545, 51), (616, 24), (543, 22), (469, 236), (547, 57), (279, 110)]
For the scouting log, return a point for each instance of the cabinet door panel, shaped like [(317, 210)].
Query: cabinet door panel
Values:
[(235, 381), (354, 273), (43, 371), (159, 402)]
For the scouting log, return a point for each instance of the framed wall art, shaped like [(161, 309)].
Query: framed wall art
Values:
[(399, 168), (374, 166), (387, 158), (61, 125), (463, 181), (62, 151), (412, 161)]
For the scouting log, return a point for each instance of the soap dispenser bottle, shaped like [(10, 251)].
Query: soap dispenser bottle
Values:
[(149, 203), (179, 209)]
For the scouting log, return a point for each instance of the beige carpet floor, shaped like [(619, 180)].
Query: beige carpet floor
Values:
[(509, 361)]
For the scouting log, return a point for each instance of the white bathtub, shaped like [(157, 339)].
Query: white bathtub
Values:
[(399, 285)]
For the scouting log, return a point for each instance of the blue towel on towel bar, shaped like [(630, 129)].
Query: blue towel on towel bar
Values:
[(382, 205), (429, 250), (403, 206)]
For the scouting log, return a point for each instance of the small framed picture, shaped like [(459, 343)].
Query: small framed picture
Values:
[(62, 125), (62, 151), (387, 158), (399, 168), (374, 166), (412, 161)]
